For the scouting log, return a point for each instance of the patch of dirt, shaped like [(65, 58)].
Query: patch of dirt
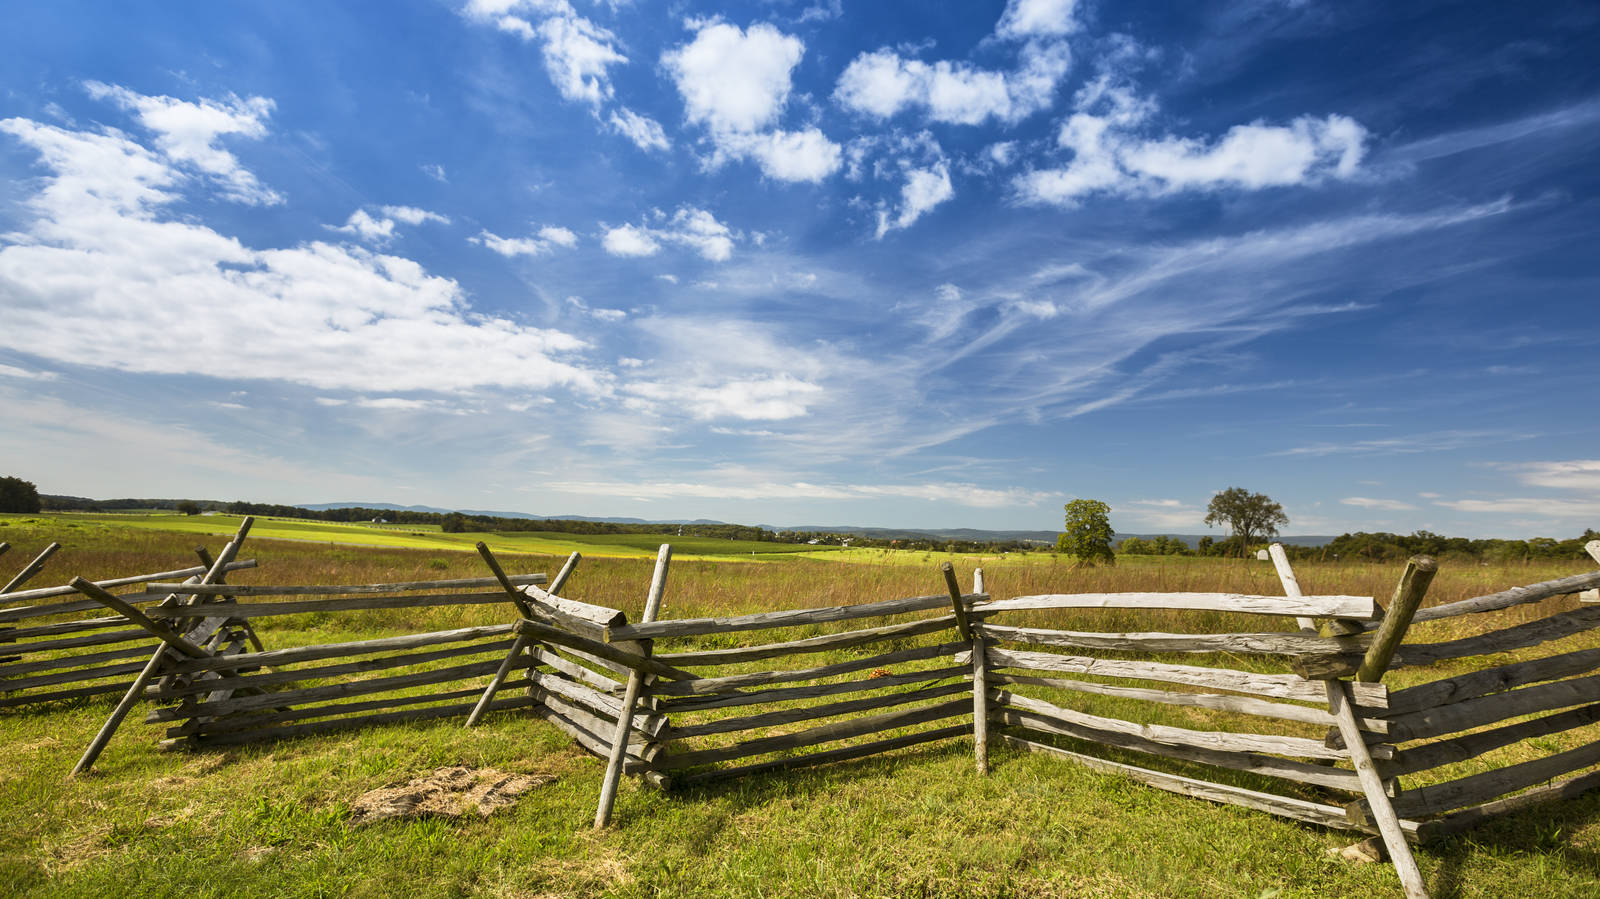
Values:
[(448, 792)]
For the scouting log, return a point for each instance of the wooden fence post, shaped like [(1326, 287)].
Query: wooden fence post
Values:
[(630, 697), (980, 692), (1593, 594), (1341, 705), (31, 569), (980, 685), (157, 659), (517, 645), (1408, 596)]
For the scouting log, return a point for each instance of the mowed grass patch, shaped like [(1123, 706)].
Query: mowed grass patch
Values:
[(273, 819)]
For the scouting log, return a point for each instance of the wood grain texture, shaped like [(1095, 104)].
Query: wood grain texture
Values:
[(1257, 763), (811, 713), (1224, 741), (842, 754), (1360, 607), (738, 681), (821, 643), (826, 733), (1329, 816), (691, 627), (1277, 686), (1262, 644)]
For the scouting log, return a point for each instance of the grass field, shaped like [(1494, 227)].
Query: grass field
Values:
[(421, 536), (273, 819)]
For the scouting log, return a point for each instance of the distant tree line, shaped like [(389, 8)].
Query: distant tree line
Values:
[(1380, 547)]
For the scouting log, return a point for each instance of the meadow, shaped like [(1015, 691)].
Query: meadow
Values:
[(273, 819)]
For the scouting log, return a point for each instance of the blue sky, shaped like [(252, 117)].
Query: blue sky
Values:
[(898, 264)]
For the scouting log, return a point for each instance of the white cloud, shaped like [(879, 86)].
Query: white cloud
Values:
[(187, 134), (1252, 156), (1387, 505), (786, 155), (1037, 18), (104, 265), (436, 172), (11, 371), (735, 83), (1542, 507), (645, 132), (411, 215), (578, 54), (883, 84), (630, 240), (695, 228), (734, 80), (1574, 474), (924, 189), (364, 226), (1109, 154), (759, 399), (510, 247), (1160, 514)]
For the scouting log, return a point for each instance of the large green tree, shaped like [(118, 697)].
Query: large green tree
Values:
[(1247, 516), (1088, 535), (17, 495)]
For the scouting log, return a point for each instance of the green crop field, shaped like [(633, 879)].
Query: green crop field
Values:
[(429, 536), (274, 819)]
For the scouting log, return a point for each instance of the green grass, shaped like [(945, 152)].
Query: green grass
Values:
[(273, 819)]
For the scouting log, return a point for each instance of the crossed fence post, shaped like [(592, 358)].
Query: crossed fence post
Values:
[(180, 636), (1341, 703)]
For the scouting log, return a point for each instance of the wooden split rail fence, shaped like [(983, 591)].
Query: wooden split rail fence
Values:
[(682, 702), (49, 652)]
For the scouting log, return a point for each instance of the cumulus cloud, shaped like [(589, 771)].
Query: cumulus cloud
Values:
[(103, 263), (883, 84), (186, 134), (736, 82), (630, 240), (362, 225), (924, 189), (1037, 18), (695, 228), (578, 54), (375, 229), (543, 241), (786, 155), (1109, 152), (645, 132)]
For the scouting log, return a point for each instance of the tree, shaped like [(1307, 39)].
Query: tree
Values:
[(454, 523), (187, 507), (17, 495), (1088, 535), (1248, 516)]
